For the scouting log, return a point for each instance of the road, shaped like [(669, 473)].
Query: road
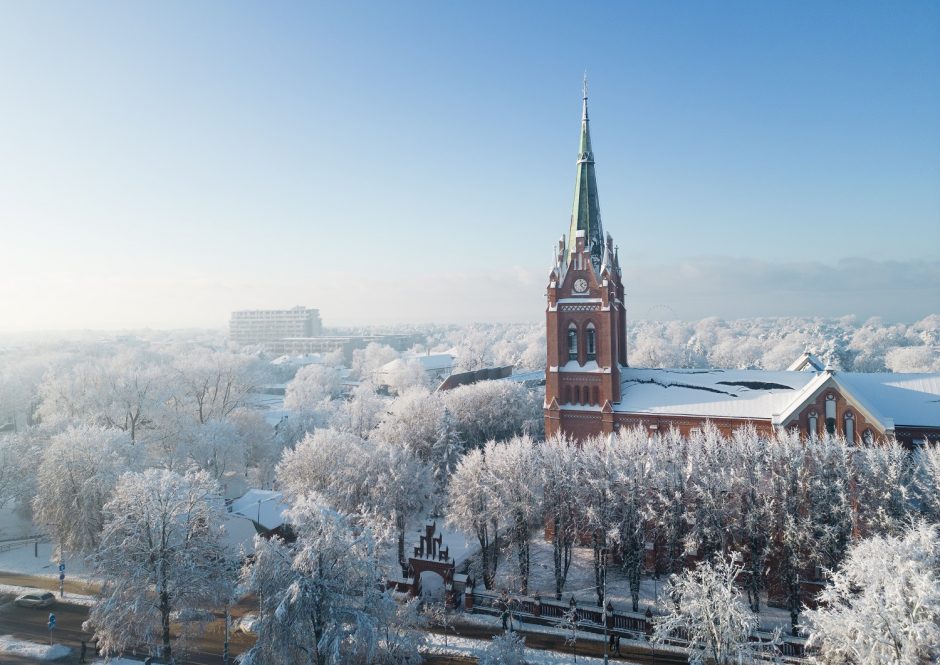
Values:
[(28, 623)]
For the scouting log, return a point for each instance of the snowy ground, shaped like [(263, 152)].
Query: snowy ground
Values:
[(23, 559), (580, 583), (14, 647), (72, 598)]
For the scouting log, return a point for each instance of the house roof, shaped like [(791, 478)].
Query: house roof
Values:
[(264, 507)]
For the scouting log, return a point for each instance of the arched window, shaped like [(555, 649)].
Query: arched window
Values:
[(849, 427), (831, 414), (811, 427), (868, 438), (577, 394), (594, 396), (590, 342), (572, 341), (567, 394)]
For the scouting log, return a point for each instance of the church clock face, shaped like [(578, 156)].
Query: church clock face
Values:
[(580, 285)]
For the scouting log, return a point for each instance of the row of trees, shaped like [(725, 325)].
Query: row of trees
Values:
[(784, 505)]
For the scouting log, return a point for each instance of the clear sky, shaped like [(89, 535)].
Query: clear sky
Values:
[(164, 163)]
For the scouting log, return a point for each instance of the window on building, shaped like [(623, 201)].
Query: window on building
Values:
[(572, 342), (831, 414), (811, 427), (577, 394), (567, 394), (849, 427), (590, 339), (868, 438), (595, 399)]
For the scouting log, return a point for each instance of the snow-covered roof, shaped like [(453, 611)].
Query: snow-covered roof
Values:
[(807, 362), (430, 363), (909, 399), (713, 393), (893, 400), (265, 507)]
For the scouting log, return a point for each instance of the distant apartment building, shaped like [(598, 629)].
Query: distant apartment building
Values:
[(258, 326)]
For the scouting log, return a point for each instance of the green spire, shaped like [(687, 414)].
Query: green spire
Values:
[(586, 210)]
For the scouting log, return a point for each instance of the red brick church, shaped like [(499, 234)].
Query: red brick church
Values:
[(591, 389)]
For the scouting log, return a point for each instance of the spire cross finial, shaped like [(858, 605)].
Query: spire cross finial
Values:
[(584, 88)]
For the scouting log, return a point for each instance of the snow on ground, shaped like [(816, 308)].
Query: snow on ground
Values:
[(14, 525), (71, 598), (14, 647), (23, 559), (117, 661), (462, 646)]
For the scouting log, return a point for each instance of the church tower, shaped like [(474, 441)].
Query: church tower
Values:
[(586, 316)]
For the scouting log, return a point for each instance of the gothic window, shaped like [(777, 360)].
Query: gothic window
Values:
[(590, 339), (567, 394), (577, 394), (867, 437), (594, 396), (849, 427), (572, 342), (811, 430), (831, 414)]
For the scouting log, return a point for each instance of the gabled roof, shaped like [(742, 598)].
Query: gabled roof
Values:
[(807, 362)]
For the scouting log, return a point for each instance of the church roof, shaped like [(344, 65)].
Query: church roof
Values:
[(586, 209), (892, 400)]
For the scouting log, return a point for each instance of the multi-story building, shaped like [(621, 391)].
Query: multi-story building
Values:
[(267, 325), (590, 388)]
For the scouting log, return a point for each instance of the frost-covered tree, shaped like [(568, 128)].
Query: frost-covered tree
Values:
[(830, 502), (710, 486), (473, 507), (791, 547), (883, 476), (320, 598), (753, 512), (20, 454), (494, 410), (505, 649), (883, 603), (419, 421), (709, 611), (669, 485), (558, 462), (80, 467), (362, 412), (161, 551), (598, 503), (209, 385), (217, 446), (926, 482), (367, 361), (632, 505), (311, 385), (514, 475)]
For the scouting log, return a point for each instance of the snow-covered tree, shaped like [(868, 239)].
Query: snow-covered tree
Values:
[(515, 479), (209, 385), (505, 649), (160, 551), (883, 603), (558, 462), (598, 504), (319, 597), (311, 385), (20, 454), (709, 611), (632, 503), (883, 476), (367, 361), (926, 482), (711, 486), (473, 507), (830, 501), (669, 474), (791, 546), (78, 472), (494, 410), (362, 412)]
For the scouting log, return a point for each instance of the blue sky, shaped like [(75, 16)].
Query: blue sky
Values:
[(165, 163)]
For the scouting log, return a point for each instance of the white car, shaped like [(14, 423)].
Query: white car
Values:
[(35, 599), (247, 625)]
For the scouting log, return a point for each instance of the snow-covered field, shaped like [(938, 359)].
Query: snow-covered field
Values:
[(14, 647)]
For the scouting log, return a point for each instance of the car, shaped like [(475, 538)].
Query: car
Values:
[(247, 625), (191, 615), (35, 599)]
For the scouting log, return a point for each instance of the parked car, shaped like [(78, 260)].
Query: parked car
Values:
[(35, 599)]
